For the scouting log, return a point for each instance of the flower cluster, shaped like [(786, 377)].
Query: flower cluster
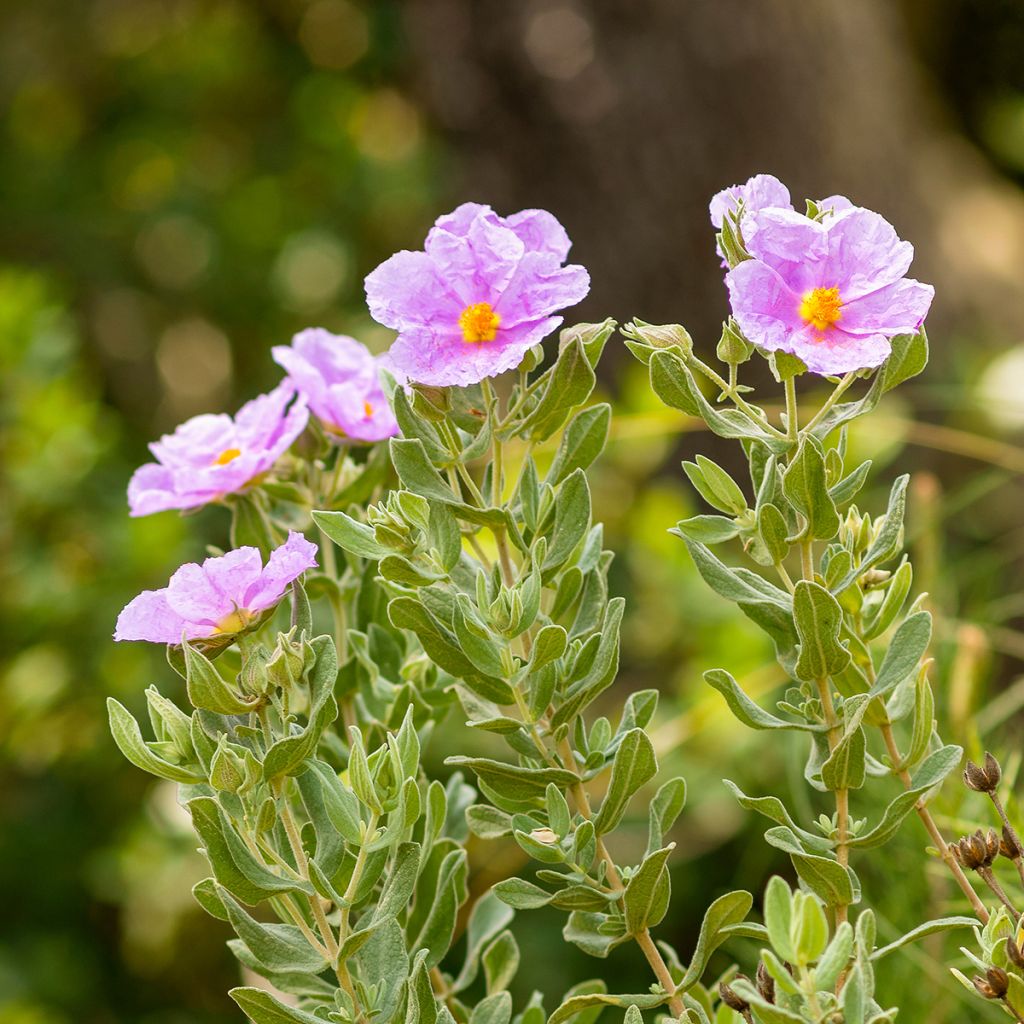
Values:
[(484, 291), (829, 289)]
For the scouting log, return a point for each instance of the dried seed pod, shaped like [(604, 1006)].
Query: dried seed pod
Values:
[(1009, 846), (983, 778), (1014, 953), (765, 983), (977, 850), (994, 985), (731, 999)]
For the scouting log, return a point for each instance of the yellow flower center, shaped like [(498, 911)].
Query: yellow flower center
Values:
[(367, 410), (821, 307), (233, 623), (227, 456), (479, 322)]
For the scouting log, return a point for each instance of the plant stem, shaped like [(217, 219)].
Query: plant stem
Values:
[(842, 795), (933, 830), (792, 419), (643, 938), (989, 878), (831, 400), (737, 399)]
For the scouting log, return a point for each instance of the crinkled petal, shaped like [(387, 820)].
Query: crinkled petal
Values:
[(540, 288), (212, 591), (197, 441), (540, 231), (898, 308), (407, 291), (864, 254), (478, 265), (151, 489), (790, 243), (149, 617), (838, 353), (839, 205), (285, 564), (757, 193), (765, 307), (362, 414), (459, 220), (443, 360)]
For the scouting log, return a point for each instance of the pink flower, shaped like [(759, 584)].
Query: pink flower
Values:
[(210, 456), (483, 292), (831, 292), (340, 380), (757, 193), (222, 596)]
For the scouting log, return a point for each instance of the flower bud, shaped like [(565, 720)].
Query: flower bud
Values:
[(287, 662), (253, 677), (432, 403), (664, 335), (994, 985), (733, 348), (227, 769), (171, 725), (983, 778)]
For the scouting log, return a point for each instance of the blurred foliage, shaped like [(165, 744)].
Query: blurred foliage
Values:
[(186, 183)]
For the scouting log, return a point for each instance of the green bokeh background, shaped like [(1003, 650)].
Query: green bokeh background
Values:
[(184, 184)]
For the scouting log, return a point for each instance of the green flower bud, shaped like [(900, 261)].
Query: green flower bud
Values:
[(171, 726), (253, 677), (288, 660), (227, 769), (431, 403), (663, 335), (733, 348)]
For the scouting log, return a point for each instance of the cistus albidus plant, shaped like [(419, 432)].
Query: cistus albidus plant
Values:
[(413, 540)]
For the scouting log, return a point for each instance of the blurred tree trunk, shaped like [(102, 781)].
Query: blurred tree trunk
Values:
[(625, 117)]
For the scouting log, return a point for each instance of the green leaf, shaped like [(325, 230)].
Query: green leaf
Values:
[(559, 818), (854, 997), (234, 865), (128, 738), (805, 485), (771, 527), (568, 384), (417, 472), (935, 768), (488, 822), (665, 808), (829, 879), (500, 962), (520, 894), (263, 1008), (205, 893), (908, 647), (778, 917), (941, 924), (645, 900), (583, 440), (835, 959), (633, 766), (707, 529), (572, 521), (576, 1004), (810, 932), (885, 543), (750, 714), (767, 1013), (602, 670), (670, 381), (350, 535), (475, 640), (209, 690), (774, 810), (490, 916), (818, 619), (493, 1009), (716, 486), (729, 909), (518, 782), (845, 766), (278, 947)]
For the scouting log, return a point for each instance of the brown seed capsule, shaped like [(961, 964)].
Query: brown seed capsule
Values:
[(983, 778), (1009, 846), (765, 984), (729, 997), (994, 985), (977, 850), (1014, 953)]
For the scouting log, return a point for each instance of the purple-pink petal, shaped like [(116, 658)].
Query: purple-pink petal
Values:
[(898, 308), (757, 193), (149, 617), (474, 258), (284, 565), (864, 254)]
